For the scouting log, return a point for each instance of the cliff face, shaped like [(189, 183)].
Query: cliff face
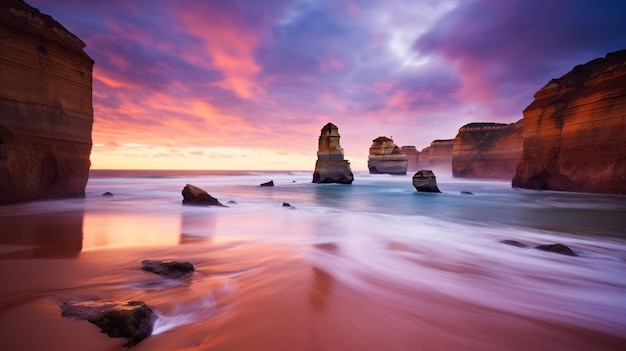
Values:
[(440, 157), (386, 157), (487, 150), (412, 156), (423, 158), (45, 107), (575, 131), (330, 166)]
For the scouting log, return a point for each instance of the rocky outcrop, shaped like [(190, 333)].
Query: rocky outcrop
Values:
[(46, 107), (192, 195), (575, 131), (412, 156), (487, 150), (440, 157), (118, 319), (425, 181), (168, 269), (330, 166), (386, 157), (424, 157)]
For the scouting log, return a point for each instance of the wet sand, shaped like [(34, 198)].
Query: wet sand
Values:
[(245, 296)]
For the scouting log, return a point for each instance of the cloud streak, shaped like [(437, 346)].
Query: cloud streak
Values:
[(262, 78)]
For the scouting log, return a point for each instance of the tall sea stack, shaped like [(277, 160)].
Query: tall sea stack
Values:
[(385, 157), (575, 131), (330, 166), (45, 107)]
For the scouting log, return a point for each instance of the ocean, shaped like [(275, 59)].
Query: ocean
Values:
[(372, 265)]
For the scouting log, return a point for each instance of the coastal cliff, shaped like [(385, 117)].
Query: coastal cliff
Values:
[(330, 166), (385, 157), (412, 156), (487, 150), (575, 131), (46, 107), (440, 156)]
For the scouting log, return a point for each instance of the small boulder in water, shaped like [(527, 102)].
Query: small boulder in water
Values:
[(425, 181), (192, 195), (118, 319), (557, 248), (232, 202), (467, 193), (168, 269), (270, 183), (107, 194), (513, 243), (286, 204)]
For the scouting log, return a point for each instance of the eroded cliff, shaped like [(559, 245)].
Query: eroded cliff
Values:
[(330, 166), (575, 131), (412, 156), (440, 156), (46, 107), (487, 150), (385, 157)]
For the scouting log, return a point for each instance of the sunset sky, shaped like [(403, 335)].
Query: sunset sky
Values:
[(248, 84)]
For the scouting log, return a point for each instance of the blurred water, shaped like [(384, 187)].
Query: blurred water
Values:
[(379, 232)]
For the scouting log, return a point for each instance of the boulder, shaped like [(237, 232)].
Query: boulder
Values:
[(487, 150), (556, 248), (108, 193), (385, 157), (45, 107), (575, 131), (286, 204), (513, 243), (168, 269), (270, 183), (118, 319), (192, 195), (330, 166), (425, 181)]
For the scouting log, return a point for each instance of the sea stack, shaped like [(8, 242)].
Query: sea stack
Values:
[(45, 107), (330, 166), (575, 131), (412, 156), (425, 181), (440, 155), (386, 157)]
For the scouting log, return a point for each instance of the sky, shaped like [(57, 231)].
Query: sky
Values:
[(248, 84)]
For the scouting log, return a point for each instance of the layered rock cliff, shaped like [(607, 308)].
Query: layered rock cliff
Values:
[(575, 131), (487, 150), (45, 107), (424, 157), (412, 156), (330, 166), (440, 157), (385, 157)]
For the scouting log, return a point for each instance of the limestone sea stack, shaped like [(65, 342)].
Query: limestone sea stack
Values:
[(487, 150), (45, 107), (575, 131), (425, 181), (386, 157), (330, 166), (412, 156), (440, 156)]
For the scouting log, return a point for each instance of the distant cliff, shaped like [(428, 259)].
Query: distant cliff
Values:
[(487, 150), (575, 131), (412, 156), (386, 157), (45, 107), (440, 157)]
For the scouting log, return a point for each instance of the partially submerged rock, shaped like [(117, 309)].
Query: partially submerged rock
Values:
[(192, 195), (385, 157), (513, 243), (557, 248), (286, 204), (330, 166), (168, 269), (270, 183), (108, 193), (425, 181), (118, 319)]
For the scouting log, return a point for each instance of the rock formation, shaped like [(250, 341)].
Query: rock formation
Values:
[(412, 156), (425, 181), (440, 157), (386, 157), (46, 107), (192, 195), (424, 157), (575, 131), (168, 269), (119, 319), (330, 166), (487, 150)]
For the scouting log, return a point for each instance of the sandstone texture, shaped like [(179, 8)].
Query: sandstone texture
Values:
[(487, 150), (412, 156), (440, 156), (575, 131), (45, 107), (425, 181), (424, 157), (385, 157), (330, 166)]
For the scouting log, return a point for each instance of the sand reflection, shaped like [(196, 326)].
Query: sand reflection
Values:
[(320, 290)]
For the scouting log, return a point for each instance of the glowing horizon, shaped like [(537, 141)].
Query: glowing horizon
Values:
[(245, 84)]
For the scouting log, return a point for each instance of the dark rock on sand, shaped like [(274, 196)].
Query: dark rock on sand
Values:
[(107, 194), (557, 248), (513, 243), (118, 319), (270, 183), (168, 269), (192, 195), (425, 181)]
